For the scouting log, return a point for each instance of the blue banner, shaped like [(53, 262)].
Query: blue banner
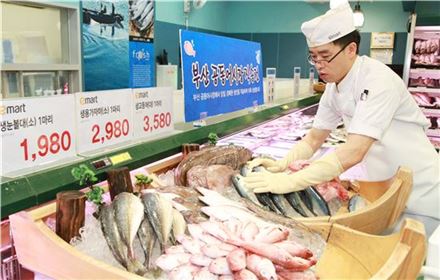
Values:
[(141, 64), (220, 74)]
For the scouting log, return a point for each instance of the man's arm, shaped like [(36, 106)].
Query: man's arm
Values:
[(324, 169), (316, 137), (353, 150)]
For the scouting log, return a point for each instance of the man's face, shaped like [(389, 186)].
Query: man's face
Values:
[(340, 58)]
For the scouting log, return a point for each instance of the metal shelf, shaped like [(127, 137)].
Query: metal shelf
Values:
[(39, 67)]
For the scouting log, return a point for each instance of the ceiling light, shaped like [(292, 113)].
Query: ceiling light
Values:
[(358, 16)]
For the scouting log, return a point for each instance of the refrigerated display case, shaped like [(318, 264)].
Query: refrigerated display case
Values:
[(423, 75)]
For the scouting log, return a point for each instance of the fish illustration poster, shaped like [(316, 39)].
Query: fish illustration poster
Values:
[(141, 50), (220, 74), (110, 61)]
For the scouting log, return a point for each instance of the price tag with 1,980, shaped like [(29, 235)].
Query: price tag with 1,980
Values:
[(36, 131)]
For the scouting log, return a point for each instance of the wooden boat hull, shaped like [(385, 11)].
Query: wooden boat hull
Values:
[(349, 253)]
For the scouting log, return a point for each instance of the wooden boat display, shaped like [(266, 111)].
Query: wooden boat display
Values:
[(348, 254), (387, 200)]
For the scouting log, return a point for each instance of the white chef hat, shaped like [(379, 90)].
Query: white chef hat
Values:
[(332, 25)]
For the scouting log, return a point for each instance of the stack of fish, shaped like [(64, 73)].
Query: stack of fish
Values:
[(236, 249), (151, 218), (142, 13), (306, 203)]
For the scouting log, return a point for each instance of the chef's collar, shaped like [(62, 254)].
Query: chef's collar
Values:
[(347, 82)]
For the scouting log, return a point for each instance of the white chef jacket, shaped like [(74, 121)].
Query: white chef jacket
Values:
[(373, 101)]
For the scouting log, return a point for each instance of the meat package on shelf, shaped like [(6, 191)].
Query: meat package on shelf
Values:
[(426, 50)]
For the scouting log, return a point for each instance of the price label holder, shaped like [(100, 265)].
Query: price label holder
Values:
[(202, 120), (101, 163), (120, 158), (152, 112), (36, 133), (103, 120)]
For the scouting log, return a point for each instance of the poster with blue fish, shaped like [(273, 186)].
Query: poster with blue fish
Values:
[(141, 64), (220, 74), (105, 44)]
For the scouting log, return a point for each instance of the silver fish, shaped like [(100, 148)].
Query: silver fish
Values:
[(295, 201), (356, 202), (240, 187), (129, 213), (284, 206), (147, 239), (264, 199), (318, 204), (179, 225), (118, 248), (160, 214)]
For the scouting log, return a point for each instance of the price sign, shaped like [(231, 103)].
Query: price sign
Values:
[(36, 131), (152, 109), (103, 119)]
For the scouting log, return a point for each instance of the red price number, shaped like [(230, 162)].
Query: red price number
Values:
[(158, 121), (114, 129), (52, 144)]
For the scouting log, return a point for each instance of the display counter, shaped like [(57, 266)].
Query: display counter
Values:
[(26, 191)]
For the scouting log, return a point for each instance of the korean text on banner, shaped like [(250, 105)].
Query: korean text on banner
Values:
[(103, 118), (152, 111), (219, 74), (36, 131)]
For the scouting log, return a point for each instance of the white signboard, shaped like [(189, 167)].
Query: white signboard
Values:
[(36, 131), (103, 118), (152, 111)]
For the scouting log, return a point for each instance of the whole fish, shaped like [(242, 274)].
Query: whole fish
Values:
[(318, 205), (179, 225), (264, 199), (242, 190), (295, 201), (129, 213), (284, 206), (356, 202), (118, 248), (147, 239), (160, 214), (233, 156)]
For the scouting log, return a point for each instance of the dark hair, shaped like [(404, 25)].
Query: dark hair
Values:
[(353, 36)]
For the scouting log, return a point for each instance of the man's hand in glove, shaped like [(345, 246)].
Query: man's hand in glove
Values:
[(301, 150), (321, 170)]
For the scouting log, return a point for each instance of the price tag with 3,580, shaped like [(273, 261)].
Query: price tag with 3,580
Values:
[(35, 131), (152, 111), (103, 119)]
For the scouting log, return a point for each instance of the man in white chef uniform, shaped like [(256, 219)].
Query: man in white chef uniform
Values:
[(386, 128)]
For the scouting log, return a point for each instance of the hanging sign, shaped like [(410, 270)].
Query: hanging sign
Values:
[(152, 111), (36, 131), (103, 118), (220, 74)]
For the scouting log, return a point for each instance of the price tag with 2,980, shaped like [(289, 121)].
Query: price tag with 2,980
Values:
[(36, 131), (103, 119), (152, 111)]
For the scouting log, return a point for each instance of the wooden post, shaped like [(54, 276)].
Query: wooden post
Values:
[(188, 148), (119, 181), (70, 214)]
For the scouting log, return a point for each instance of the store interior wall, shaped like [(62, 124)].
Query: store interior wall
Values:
[(276, 25)]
